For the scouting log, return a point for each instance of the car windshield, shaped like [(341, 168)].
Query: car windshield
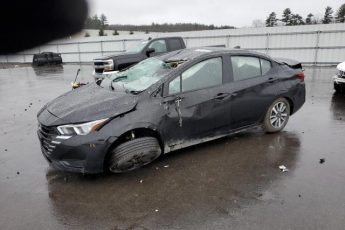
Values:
[(137, 78), (138, 47)]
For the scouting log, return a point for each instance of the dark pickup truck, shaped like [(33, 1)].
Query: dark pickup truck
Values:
[(147, 48)]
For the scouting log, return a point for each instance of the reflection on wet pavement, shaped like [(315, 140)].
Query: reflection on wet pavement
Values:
[(231, 183)]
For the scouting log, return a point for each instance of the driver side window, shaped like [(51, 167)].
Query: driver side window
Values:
[(203, 75)]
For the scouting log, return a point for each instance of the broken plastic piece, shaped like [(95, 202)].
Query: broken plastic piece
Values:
[(283, 168)]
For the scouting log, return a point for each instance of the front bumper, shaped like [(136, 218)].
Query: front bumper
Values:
[(79, 154), (338, 80)]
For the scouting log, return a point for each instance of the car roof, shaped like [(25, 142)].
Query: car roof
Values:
[(198, 52)]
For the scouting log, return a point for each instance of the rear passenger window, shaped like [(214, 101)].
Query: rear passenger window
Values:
[(245, 67), (175, 44), (265, 66)]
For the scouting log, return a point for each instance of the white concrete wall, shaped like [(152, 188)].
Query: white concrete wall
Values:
[(311, 44)]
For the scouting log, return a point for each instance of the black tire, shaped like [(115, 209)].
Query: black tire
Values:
[(276, 118), (133, 154)]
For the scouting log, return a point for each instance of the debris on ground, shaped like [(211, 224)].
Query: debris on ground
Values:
[(65, 179), (141, 181), (157, 168), (299, 195), (283, 168), (18, 173), (322, 160), (5, 150), (156, 210), (166, 166)]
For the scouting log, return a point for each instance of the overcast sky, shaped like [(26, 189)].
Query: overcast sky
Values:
[(237, 13)]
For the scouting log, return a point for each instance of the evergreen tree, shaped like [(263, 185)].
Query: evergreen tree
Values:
[(287, 15), (271, 21), (308, 20), (341, 14), (296, 20), (327, 18), (101, 32)]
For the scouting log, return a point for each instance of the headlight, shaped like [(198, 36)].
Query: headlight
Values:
[(81, 129), (109, 65)]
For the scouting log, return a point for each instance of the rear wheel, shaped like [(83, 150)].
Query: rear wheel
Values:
[(134, 154), (277, 116)]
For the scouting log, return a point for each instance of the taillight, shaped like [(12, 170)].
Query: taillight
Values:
[(301, 76)]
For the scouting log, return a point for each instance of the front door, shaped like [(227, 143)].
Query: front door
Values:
[(197, 103)]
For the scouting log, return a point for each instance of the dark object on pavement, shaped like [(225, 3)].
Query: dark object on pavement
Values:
[(166, 103), (26, 24), (322, 161), (47, 58)]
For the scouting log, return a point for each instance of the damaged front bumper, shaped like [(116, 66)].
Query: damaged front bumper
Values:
[(79, 154)]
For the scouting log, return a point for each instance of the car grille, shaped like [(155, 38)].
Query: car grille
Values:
[(99, 70), (47, 136), (342, 74)]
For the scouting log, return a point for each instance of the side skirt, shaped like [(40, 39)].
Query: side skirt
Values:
[(188, 143)]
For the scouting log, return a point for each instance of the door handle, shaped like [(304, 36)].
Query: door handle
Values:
[(272, 79), (234, 94), (172, 99), (221, 96)]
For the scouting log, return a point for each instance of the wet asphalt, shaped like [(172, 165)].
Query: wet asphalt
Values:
[(231, 183)]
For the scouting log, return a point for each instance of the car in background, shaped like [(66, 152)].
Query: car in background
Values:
[(339, 78), (104, 66), (166, 103)]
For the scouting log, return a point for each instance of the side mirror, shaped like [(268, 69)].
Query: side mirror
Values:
[(149, 51)]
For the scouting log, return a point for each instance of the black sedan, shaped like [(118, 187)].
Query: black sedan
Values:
[(166, 103)]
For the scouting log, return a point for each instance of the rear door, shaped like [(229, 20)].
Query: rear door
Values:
[(253, 89), (197, 103)]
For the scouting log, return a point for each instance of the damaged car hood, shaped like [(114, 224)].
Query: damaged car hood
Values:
[(87, 103)]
